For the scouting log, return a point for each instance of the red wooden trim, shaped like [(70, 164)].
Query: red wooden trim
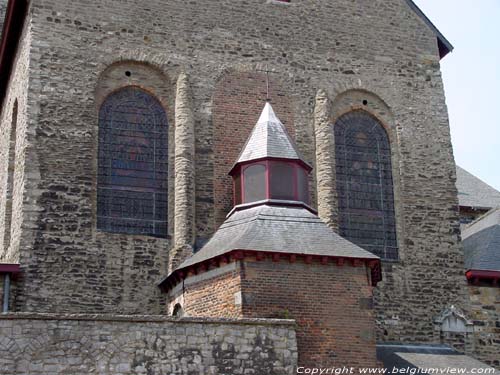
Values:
[(481, 274), (239, 254), (203, 267), (234, 191), (242, 181), (9, 268), (306, 166)]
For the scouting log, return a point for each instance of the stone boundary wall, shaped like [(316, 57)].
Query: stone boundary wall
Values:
[(39, 344), (485, 313)]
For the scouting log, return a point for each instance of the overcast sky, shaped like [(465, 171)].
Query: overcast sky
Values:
[(471, 76)]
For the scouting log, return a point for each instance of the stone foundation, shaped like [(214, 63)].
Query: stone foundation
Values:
[(39, 344)]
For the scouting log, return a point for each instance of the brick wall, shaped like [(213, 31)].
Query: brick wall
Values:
[(39, 344), (239, 98), (332, 305), (211, 294)]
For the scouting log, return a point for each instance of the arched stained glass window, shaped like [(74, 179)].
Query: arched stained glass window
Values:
[(364, 184), (132, 183)]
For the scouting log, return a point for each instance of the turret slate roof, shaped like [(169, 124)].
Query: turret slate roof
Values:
[(481, 243), (475, 193), (422, 357), (269, 139), (276, 229)]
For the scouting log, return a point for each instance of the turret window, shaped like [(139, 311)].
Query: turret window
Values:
[(271, 179), (283, 183), (255, 183)]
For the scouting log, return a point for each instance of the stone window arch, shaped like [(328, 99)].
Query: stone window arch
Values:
[(132, 177), (365, 184)]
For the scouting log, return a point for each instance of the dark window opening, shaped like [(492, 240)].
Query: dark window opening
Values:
[(303, 185), (178, 311), (132, 179), (282, 184), (365, 185), (254, 178)]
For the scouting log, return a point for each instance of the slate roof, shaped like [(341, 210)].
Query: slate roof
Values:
[(475, 193), (402, 356), (481, 242), (269, 139), (277, 229)]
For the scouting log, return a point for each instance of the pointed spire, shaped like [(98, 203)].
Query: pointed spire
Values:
[(269, 139)]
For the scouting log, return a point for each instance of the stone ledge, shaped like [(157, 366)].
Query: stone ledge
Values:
[(144, 319)]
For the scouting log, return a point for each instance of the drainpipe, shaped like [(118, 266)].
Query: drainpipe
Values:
[(6, 292)]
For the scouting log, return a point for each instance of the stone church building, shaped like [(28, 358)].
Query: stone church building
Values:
[(227, 187)]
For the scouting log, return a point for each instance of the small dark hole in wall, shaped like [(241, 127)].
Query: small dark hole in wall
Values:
[(178, 311), (365, 102), (128, 73)]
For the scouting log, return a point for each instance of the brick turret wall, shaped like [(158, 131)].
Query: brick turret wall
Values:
[(332, 304)]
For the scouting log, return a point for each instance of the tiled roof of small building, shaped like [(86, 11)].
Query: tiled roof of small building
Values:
[(481, 242), (290, 230), (475, 193), (269, 139), (415, 356)]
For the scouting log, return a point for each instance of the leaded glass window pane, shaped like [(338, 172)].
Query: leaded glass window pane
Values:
[(303, 185), (282, 183), (364, 184), (255, 183), (132, 180)]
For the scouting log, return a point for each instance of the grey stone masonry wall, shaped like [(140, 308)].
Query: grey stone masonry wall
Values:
[(485, 314), (325, 167), (3, 8), (17, 213), (46, 344), (184, 175), (354, 50)]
